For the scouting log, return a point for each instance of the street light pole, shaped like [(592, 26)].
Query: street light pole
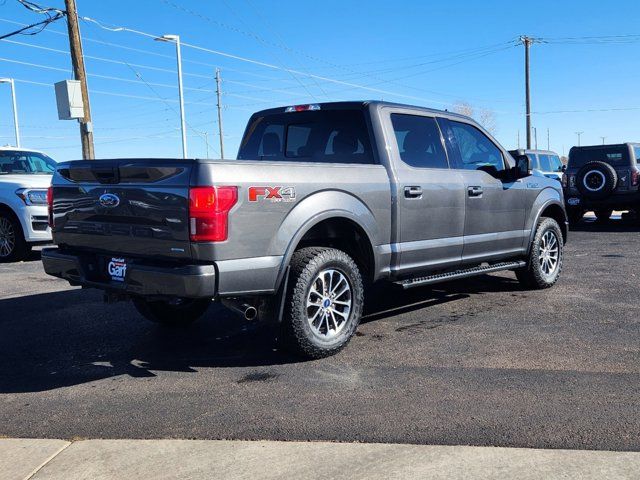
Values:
[(579, 134), (176, 39), (15, 107)]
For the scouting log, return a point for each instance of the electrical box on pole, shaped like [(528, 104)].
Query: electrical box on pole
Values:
[(69, 100)]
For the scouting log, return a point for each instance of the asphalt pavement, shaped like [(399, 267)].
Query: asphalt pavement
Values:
[(477, 362)]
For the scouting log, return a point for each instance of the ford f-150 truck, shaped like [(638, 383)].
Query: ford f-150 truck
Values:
[(321, 201)]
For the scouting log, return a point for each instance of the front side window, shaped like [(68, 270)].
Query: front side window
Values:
[(20, 162), (555, 164), (419, 142), (533, 160), (477, 152)]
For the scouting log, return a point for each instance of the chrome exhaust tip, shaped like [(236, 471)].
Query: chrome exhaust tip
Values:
[(246, 311)]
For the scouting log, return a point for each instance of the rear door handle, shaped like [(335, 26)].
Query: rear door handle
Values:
[(413, 192), (475, 191)]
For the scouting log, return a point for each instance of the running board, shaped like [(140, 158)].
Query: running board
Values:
[(468, 272)]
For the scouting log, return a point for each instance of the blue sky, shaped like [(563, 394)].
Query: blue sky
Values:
[(426, 53)]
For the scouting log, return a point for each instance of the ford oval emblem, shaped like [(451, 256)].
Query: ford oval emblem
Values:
[(109, 200)]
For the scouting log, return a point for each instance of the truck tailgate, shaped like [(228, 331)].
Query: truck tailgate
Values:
[(130, 207)]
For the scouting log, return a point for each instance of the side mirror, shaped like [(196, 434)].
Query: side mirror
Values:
[(523, 167)]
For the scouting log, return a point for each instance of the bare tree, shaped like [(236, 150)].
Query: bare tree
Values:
[(484, 116)]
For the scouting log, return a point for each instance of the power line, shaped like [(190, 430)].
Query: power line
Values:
[(51, 13)]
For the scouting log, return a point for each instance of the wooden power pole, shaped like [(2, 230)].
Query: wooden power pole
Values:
[(77, 59)]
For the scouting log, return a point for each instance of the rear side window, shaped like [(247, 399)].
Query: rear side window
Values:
[(476, 150), (613, 155), (419, 141), (326, 136), (637, 152)]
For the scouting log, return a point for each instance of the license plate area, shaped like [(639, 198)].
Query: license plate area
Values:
[(116, 269)]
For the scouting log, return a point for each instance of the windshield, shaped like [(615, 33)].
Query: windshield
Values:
[(30, 163)]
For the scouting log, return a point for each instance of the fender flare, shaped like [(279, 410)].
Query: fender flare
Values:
[(544, 204), (335, 204)]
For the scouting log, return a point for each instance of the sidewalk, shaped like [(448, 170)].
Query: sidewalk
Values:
[(170, 459)]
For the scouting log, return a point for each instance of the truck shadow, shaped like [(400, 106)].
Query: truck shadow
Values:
[(59, 339)]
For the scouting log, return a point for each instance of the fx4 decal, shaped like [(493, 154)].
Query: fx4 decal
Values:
[(272, 194)]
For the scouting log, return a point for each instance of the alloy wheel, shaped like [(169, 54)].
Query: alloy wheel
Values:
[(329, 303), (549, 254), (7, 237)]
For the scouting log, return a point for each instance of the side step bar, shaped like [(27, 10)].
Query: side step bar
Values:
[(457, 274)]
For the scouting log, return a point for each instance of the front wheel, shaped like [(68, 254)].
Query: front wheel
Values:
[(13, 246), (324, 302), (545, 257), (175, 312)]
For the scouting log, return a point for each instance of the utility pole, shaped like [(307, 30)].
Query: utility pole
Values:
[(548, 140), (535, 136), (579, 134), (80, 74), (518, 139), (527, 44), (219, 95), (603, 138)]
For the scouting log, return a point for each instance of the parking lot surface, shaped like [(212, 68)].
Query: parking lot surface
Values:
[(475, 362)]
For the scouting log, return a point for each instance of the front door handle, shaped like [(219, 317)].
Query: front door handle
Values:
[(413, 192), (475, 191)]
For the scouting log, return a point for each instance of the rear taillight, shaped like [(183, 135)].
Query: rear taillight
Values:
[(635, 177), (50, 205), (209, 212), (565, 180)]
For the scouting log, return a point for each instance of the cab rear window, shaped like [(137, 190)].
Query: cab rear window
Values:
[(325, 136)]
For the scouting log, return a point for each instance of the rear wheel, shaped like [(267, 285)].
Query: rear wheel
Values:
[(545, 257), (324, 302), (175, 312), (13, 246), (603, 214)]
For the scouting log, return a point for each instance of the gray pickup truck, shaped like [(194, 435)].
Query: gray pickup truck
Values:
[(322, 200)]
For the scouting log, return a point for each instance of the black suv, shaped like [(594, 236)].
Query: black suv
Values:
[(602, 178)]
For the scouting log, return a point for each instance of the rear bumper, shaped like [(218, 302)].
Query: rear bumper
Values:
[(190, 281), (620, 202)]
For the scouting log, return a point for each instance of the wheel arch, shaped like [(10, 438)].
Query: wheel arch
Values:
[(549, 205), (347, 224)]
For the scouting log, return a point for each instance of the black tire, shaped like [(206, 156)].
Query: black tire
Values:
[(533, 275), (574, 214), (13, 246), (300, 335), (596, 180), (603, 214), (180, 312)]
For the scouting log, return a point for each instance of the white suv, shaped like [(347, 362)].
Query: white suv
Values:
[(25, 176)]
